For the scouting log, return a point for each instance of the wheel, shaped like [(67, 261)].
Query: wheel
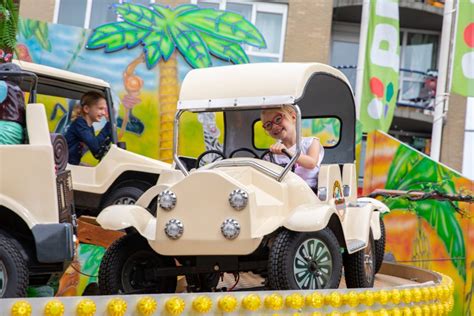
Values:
[(127, 194), (359, 267), (203, 282), (13, 269), (380, 247), (127, 267), (304, 261)]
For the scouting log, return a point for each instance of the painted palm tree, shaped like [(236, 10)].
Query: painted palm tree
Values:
[(195, 33), (412, 171)]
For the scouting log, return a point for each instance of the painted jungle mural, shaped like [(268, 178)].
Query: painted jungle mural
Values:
[(432, 234)]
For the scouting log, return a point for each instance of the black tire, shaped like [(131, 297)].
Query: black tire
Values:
[(126, 264), (123, 195), (286, 254), (359, 267), (14, 274), (380, 247)]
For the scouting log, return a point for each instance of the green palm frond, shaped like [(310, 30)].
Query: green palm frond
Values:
[(225, 50), (157, 45), (140, 16), (116, 36), (226, 25), (191, 45)]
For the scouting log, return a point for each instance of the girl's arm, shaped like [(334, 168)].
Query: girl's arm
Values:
[(311, 159), (93, 142)]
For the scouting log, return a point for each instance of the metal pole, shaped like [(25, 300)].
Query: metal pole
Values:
[(441, 99), (364, 26)]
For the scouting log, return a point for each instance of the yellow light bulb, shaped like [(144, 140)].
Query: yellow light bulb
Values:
[(351, 313), (175, 305), (446, 292), (426, 310), (406, 311), (369, 298), (335, 313), (395, 296), (86, 307), (351, 299), (21, 308), (295, 301), (383, 312), (273, 302), (54, 308), (406, 296), (396, 312), (146, 306), (334, 299), (383, 297), (434, 309), (439, 293), (227, 303), (315, 300), (441, 309), (251, 302), (316, 314), (426, 294), (202, 304), (417, 311), (116, 307), (417, 295)]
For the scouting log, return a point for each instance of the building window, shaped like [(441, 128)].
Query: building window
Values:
[(269, 18), (88, 14)]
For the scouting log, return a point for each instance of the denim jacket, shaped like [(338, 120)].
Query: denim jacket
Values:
[(81, 136)]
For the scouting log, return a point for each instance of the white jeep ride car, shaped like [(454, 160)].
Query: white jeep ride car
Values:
[(121, 176), (240, 214)]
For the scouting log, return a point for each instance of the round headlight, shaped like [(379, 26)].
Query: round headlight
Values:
[(174, 229), (230, 228), (167, 200), (238, 199)]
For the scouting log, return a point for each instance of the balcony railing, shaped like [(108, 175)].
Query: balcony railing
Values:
[(417, 89)]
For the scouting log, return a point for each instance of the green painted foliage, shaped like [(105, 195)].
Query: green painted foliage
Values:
[(37, 29), (225, 50), (412, 171), (196, 33), (116, 36), (8, 24), (226, 25)]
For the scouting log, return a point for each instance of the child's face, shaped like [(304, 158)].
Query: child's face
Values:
[(278, 124), (97, 111)]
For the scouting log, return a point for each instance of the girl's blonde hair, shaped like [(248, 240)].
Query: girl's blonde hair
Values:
[(288, 109), (89, 98)]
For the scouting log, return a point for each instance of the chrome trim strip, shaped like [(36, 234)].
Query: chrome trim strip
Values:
[(175, 143), (234, 103)]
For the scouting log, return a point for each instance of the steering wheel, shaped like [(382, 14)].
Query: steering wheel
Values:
[(219, 154), (271, 156), (245, 150)]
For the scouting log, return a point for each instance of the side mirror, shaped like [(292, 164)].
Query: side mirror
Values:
[(122, 145)]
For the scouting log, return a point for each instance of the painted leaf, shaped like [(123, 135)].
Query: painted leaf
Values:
[(140, 16), (116, 36), (402, 163), (226, 25), (185, 7), (40, 31), (157, 44), (24, 29), (164, 12), (225, 50), (191, 46)]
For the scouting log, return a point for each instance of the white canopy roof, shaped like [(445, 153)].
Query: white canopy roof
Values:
[(61, 74), (257, 84)]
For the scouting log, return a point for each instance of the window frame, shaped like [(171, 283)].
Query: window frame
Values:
[(275, 8), (88, 13)]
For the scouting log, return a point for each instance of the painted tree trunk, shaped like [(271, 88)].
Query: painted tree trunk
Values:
[(168, 98)]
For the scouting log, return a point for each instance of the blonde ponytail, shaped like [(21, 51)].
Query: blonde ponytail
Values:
[(76, 112)]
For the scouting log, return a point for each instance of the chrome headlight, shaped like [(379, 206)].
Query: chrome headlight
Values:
[(174, 229), (167, 200), (230, 228), (238, 199)]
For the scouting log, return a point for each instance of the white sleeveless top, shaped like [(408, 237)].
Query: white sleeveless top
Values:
[(308, 175)]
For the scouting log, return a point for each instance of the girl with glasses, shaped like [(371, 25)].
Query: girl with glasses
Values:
[(281, 125)]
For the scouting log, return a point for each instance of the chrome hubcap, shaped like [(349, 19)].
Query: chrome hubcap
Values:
[(125, 200), (312, 266), (3, 279)]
